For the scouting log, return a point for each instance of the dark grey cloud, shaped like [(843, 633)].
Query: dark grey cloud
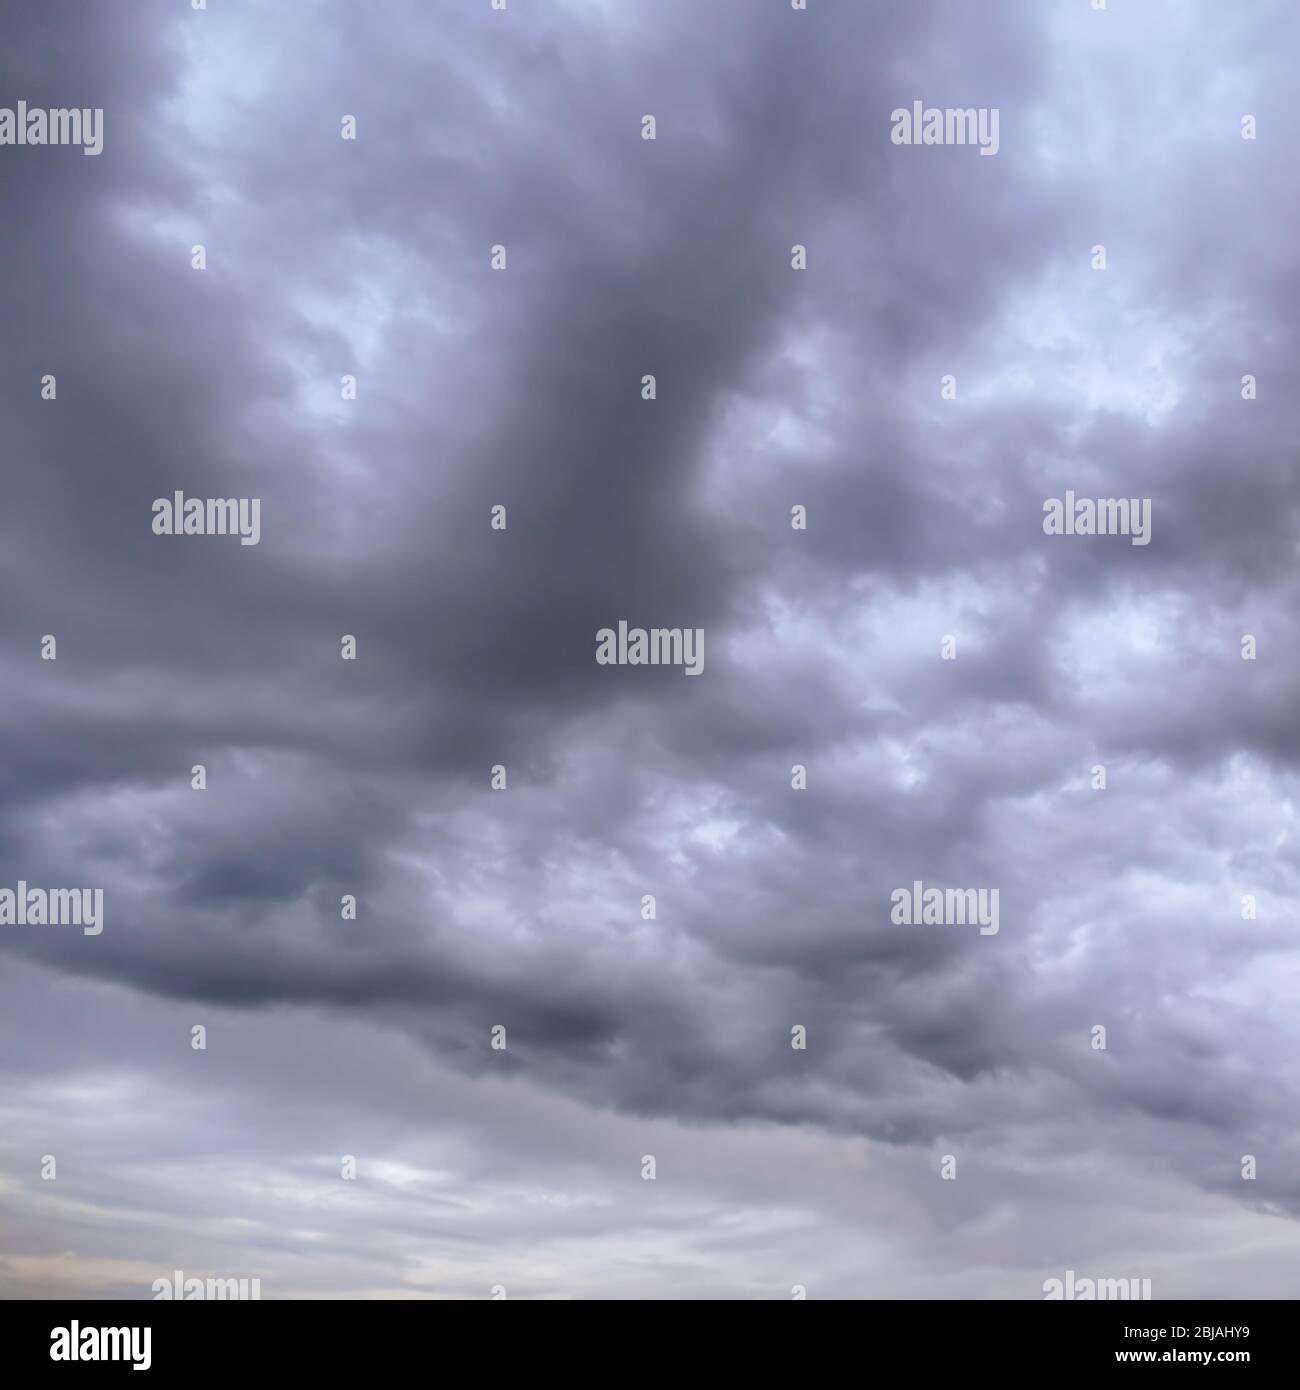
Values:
[(522, 908)]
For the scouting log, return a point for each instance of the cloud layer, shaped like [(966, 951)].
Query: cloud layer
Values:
[(776, 388)]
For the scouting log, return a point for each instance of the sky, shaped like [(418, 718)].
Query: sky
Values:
[(948, 675)]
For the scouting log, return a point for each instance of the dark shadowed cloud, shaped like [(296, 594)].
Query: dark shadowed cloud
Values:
[(476, 647)]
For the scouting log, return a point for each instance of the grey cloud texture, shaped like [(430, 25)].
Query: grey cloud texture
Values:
[(522, 908)]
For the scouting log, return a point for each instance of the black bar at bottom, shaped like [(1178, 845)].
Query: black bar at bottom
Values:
[(337, 1338)]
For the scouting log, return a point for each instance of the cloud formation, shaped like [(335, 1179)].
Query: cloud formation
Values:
[(775, 388)]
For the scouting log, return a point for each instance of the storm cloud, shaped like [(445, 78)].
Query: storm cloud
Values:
[(827, 650)]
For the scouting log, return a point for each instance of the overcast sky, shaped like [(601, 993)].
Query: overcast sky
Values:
[(776, 388)]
